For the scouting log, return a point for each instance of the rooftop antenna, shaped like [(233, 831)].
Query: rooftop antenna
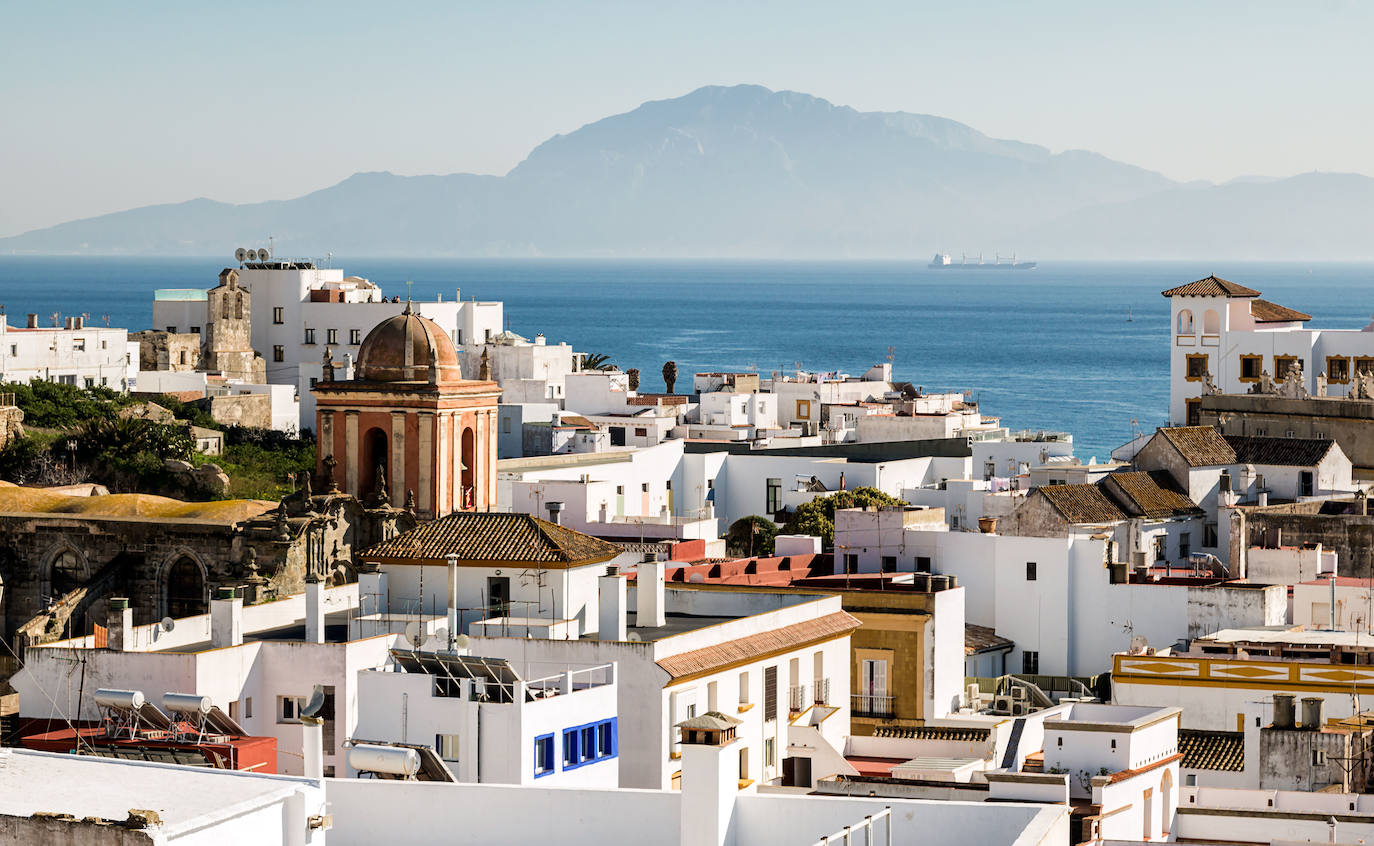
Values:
[(272, 244), (409, 282), (329, 260)]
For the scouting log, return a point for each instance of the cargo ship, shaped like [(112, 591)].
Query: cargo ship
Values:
[(942, 261)]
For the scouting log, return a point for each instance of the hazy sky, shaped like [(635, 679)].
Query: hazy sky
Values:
[(106, 106)]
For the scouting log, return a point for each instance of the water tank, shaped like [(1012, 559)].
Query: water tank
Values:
[(392, 760), (1283, 710), (110, 698), (186, 703), (1312, 712)]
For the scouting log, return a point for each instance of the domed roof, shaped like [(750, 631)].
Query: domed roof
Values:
[(408, 348)]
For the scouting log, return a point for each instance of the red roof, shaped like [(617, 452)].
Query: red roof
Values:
[(1342, 581), (870, 766)]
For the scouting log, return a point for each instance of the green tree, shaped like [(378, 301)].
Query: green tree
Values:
[(817, 517), (53, 405), (670, 375), (597, 361), (751, 536), (633, 373)]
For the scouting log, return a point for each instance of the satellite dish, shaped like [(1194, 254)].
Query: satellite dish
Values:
[(264, 254), (240, 254), (312, 708), (414, 634), (167, 624), (461, 642), (441, 634), (633, 636)]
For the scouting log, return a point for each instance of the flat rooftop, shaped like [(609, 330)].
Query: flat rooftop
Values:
[(335, 631), (675, 624), (86, 786), (1285, 634)]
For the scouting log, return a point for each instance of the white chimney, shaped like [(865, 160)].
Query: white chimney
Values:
[(120, 622), (555, 512), (453, 632), (226, 619), (649, 605), (612, 604), (314, 611), (710, 783)]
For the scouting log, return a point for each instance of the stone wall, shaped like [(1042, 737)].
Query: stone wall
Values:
[(1350, 535), (11, 422), (254, 410), (1348, 422), (175, 351)]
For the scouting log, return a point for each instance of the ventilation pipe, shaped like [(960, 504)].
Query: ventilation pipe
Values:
[(314, 611), (612, 607), (120, 622), (649, 596), (1312, 707), (226, 619)]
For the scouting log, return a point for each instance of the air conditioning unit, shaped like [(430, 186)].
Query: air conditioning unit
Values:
[(1020, 709), (1019, 694), (1002, 705), (972, 696)]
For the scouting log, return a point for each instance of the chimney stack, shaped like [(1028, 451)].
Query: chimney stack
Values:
[(120, 622), (32, 321), (226, 619), (1283, 710), (649, 609), (1312, 707), (314, 611), (555, 512), (612, 605)]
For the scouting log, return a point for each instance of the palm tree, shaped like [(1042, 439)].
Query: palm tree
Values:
[(670, 375), (633, 373), (596, 361)]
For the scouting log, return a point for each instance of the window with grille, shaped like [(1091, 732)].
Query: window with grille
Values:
[(770, 693)]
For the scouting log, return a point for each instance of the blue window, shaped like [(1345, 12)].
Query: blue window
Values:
[(587, 744), (543, 755), (570, 748)]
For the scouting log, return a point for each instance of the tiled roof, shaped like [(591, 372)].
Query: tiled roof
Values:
[(1212, 286), (964, 734), (1200, 446), (1212, 750), (21, 500), (1082, 503), (753, 647), (979, 638), (1284, 452), (491, 539), (1266, 312), (1153, 494)]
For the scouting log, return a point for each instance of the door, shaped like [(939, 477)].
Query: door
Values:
[(498, 594), (796, 771), (873, 687)]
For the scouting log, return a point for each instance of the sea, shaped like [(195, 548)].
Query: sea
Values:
[(1070, 346)]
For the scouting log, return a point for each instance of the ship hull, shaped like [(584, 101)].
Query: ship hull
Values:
[(1025, 265)]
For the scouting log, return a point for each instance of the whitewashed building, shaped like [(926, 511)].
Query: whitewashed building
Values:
[(74, 353)]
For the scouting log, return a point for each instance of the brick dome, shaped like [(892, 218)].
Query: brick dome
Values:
[(408, 348)]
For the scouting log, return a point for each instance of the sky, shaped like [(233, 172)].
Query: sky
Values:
[(105, 106)]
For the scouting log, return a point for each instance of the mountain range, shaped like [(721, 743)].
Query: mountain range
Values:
[(743, 171)]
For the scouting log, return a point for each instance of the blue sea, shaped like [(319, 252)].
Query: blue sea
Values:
[(1075, 346)]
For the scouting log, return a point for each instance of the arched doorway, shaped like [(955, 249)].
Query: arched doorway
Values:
[(375, 453), (1166, 796), (185, 587), (469, 448)]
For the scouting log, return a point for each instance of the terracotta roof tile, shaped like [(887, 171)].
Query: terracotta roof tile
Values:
[(1081, 503), (956, 733), (979, 638), (753, 647), (1200, 446), (1154, 494), (1284, 452), (1266, 312), (1212, 750), (492, 539), (1212, 286)]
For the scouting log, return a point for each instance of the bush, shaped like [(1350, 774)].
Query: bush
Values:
[(52, 405), (817, 517), (751, 536)]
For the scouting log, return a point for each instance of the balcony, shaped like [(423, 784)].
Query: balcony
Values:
[(872, 705), (796, 699), (822, 696)]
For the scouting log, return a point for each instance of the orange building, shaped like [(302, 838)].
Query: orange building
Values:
[(409, 422)]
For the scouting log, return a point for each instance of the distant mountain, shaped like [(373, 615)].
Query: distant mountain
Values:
[(745, 171)]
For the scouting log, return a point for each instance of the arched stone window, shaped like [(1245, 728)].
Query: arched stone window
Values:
[(184, 588), (66, 574), (238, 306), (469, 448), (375, 453), (1211, 322), (1185, 322)]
